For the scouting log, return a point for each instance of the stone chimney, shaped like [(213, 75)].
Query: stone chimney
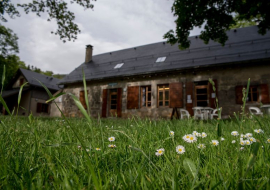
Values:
[(88, 53)]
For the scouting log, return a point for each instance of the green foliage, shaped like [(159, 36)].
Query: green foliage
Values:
[(216, 17), (12, 63), (44, 153), (8, 42), (55, 9)]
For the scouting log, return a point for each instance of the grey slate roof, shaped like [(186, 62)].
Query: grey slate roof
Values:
[(49, 82), (244, 44)]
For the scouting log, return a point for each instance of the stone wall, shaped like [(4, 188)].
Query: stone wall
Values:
[(228, 77)]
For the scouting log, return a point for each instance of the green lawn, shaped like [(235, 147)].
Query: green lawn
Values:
[(42, 153)]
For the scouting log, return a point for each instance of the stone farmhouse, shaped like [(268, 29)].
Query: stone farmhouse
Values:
[(34, 96), (150, 80)]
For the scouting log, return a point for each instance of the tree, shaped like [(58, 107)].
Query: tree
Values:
[(55, 9), (8, 42), (12, 63), (216, 16)]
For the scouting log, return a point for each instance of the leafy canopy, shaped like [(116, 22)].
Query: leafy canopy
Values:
[(55, 9), (216, 16)]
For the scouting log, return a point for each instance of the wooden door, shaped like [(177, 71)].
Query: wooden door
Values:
[(113, 100), (201, 95)]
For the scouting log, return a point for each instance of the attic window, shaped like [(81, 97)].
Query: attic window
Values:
[(160, 59), (118, 66)]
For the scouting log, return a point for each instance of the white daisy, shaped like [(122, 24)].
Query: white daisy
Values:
[(268, 140), (171, 133), (248, 142), (204, 135), (98, 149), (191, 139), (222, 139), (252, 139), (194, 132), (186, 137), (235, 133), (249, 135), (233, 141), (242, 142), (243, 136), (111, 145), (215, 142), (242, 148), (258, 131), (160, 152), (201, 146), (111, 139), (198, 134), (180, 149)]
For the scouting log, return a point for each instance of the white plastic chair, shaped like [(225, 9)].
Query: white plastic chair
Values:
[(214, 113), (184, 113), (255, 111), (198, 112)]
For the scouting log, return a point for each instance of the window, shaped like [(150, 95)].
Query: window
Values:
[(21, 81), (252, 94), (118, 66), (146, 96), (163, 95), (42, 108), (160, 59)]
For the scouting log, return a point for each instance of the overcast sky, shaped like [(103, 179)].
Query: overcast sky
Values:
[(112, 25)]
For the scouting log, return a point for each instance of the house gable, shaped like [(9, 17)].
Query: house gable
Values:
[(19, 82)]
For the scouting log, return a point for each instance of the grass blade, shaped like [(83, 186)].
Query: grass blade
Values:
[(85, 94), (20, 93), (5, 105), (190, 167), (3, 78)]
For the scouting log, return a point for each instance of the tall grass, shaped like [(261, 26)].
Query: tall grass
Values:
[(45, 153)]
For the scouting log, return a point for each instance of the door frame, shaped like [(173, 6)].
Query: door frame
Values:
[(201, 87)]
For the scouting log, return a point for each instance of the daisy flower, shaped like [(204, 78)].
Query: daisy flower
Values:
[(160, 152), (180, 149), (79, 147), (171, 133), (243, 136), (242, 142), (186, 137), (194, 132), (201, 146), (268, 140), (235, 133), (233, 141), (222, 139), (198, 134), (98, 149), (111, 139), (249, 135), (248, 142), (252, 139), (204, 135), (191, 139), (215, 142), (258, 131), (111, 145), (87, 150), (242, 148)]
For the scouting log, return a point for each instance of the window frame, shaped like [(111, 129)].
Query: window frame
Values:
[(250, 91), (164, 95), (147, 92)]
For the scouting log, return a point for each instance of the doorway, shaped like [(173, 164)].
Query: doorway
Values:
[(113, 103), (201, 95)]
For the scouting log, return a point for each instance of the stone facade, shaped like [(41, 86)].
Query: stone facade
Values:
[(228, 77)]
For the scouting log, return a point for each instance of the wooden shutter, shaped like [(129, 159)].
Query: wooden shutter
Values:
[(104, 103), (176, 95), (189, 91), (39, 107), (264, 93), (239, 94), (82, 99), (133, 97), (212, 101), (119, 102)]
